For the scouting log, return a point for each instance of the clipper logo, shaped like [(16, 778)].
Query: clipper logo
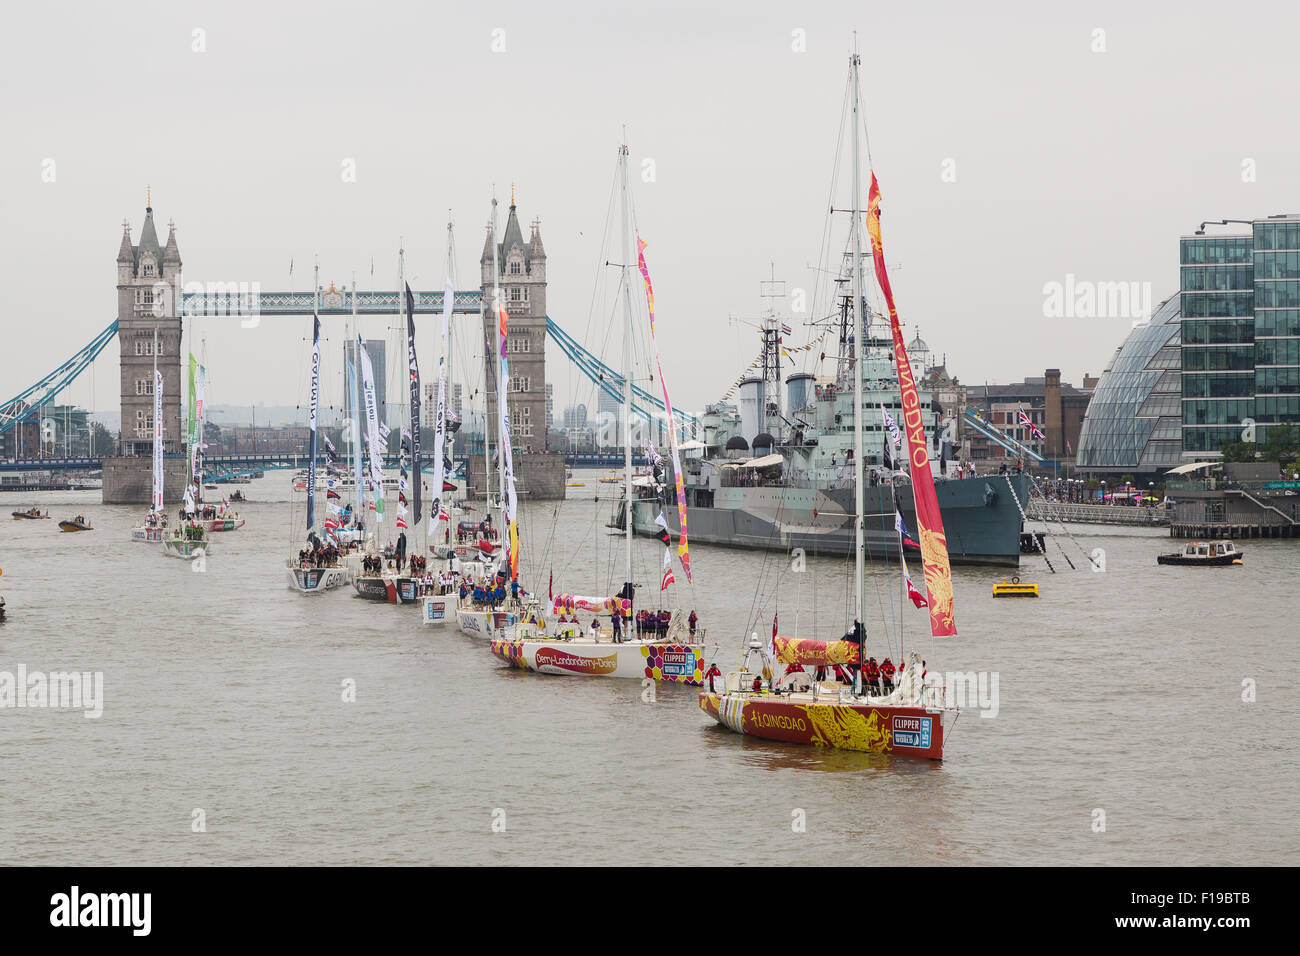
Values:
[(912, 732), (102, 909)]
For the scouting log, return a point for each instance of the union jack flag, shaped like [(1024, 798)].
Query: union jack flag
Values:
[(1029, 423)]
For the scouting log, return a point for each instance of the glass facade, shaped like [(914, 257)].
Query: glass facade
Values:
[(1240, 333), (1217, 279), (1133, 424), (1277, 325)]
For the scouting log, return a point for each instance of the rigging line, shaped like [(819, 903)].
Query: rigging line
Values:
[(827, 220)]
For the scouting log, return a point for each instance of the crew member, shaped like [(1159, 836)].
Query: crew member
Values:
[(712, 673), (887, 674), (872, 675)]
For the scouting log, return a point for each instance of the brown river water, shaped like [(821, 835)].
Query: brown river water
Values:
[(1119, 692)]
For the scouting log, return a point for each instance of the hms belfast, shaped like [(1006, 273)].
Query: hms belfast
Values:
[(775, 475)]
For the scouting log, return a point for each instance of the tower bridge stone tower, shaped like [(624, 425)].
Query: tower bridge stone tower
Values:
[(521, 276), (148, 280)]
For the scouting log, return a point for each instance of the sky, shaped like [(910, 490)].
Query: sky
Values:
[(1016, 145)]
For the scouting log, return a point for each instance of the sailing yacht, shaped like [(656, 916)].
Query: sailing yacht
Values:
[(481, 610), (154, 527), (319, 567), (553, 642), (908, 718)]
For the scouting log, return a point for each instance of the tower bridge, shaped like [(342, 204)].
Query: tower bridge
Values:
[(153, 304)]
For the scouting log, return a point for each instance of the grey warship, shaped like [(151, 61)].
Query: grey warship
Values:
[(777, 476)]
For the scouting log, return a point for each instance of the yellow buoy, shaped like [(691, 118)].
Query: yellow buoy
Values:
[(1015, 589)]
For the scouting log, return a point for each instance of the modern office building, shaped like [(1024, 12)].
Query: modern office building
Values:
[(1240, 333), (1133, 425)]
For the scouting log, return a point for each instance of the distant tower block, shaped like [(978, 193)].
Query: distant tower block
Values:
[(148, 277)]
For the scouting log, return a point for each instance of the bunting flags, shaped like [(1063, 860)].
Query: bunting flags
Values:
[(311, 421), (758, 362), (667, 580), (401, 522), (683, 552), (934, 548)]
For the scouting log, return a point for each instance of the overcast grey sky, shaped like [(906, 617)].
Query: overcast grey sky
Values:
[(1068, 160)]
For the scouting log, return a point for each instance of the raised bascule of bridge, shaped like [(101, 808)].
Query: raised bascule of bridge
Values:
[(152, 306)]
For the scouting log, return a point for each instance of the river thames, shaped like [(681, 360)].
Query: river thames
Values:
[(1121, 735)]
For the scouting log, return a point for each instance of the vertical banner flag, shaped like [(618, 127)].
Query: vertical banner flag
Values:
[(440, 434), (198, 407), (192, 426), (358, 495), (507, 456), (934, 547), (157, 441), (683, 552), (311, 421), (373, 441), (415, 400)]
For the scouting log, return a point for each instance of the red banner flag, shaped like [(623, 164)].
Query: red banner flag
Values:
[(934, 546)]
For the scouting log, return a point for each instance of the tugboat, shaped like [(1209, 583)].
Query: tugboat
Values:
[(30, 514), (1202, 554), (79, 523)]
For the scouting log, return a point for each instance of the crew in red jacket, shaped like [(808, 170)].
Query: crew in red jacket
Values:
[(887, 673), (712, 673), (872, 675)]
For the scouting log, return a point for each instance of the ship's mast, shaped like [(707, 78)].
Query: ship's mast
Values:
[(502, 388), (627, 364), (858, 330)]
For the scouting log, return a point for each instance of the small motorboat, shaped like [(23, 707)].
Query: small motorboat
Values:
[(31, 514), (237, 496), (2, 608), (1205, 554), (79, 523)]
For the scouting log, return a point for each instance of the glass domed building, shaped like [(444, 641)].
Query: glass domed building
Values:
[(1134, 422)]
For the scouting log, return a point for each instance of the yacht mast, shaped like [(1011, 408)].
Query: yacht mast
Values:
[(858, 330), (495, 362), (627, 365)]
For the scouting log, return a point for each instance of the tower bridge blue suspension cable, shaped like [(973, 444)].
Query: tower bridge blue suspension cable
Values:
[(40, 394), (37, 396)]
